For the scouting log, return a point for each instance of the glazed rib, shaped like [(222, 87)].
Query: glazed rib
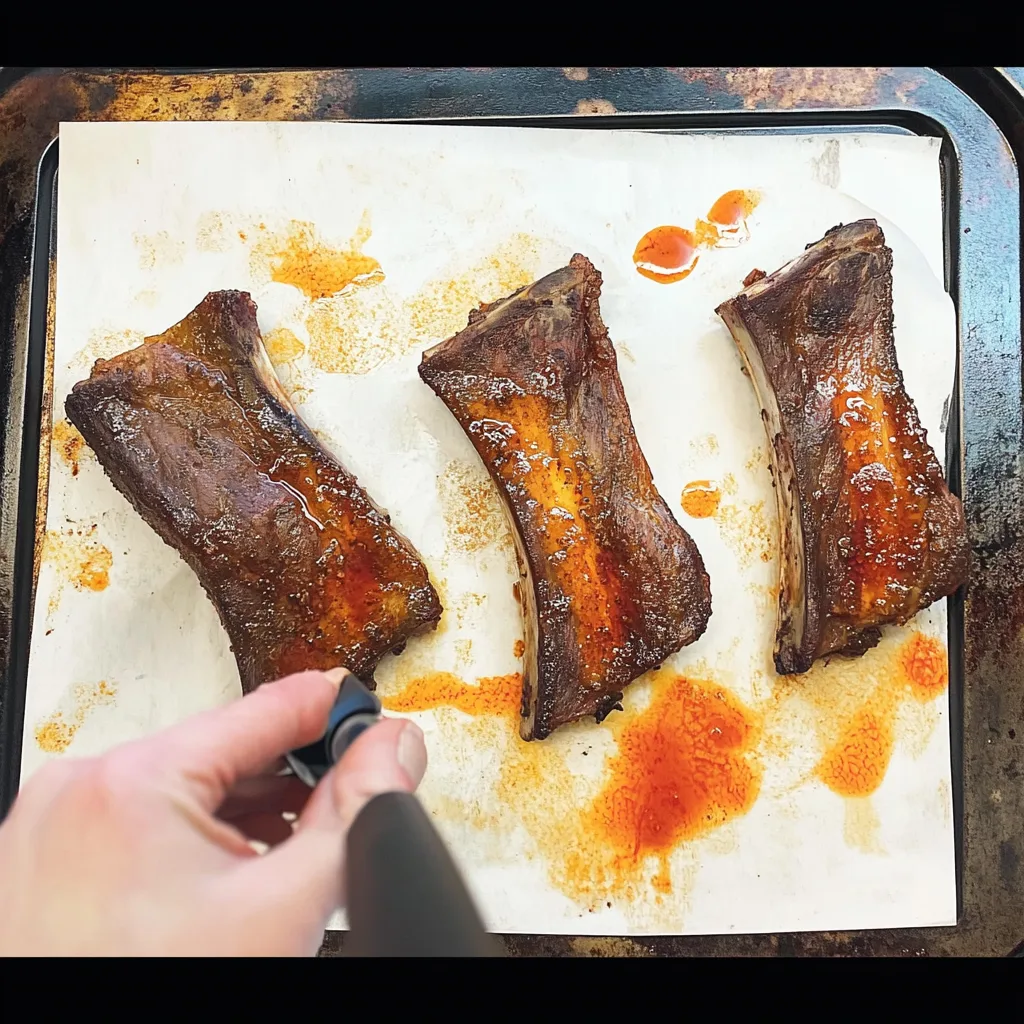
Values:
[(613, 585), (870, 532), (304, 570)]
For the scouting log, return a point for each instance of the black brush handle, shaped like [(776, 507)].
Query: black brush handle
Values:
[(405, 894)]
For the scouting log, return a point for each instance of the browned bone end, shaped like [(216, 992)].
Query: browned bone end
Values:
[(611, 584), (870, 532), (195, 430)]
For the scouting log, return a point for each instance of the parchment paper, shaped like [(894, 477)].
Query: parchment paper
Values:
[(151, 217)]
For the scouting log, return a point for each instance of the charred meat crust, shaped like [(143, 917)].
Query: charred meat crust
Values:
[(611, 584), (870, 532), (194, 429)]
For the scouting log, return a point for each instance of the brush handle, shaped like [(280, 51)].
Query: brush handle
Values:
[(405, 894)]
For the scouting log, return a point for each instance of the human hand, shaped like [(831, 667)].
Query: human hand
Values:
[(144, 851)]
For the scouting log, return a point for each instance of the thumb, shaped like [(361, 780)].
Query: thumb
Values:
[(305, 873), (388, 757)]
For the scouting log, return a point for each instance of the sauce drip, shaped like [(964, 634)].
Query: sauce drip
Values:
[(924, 664), (78, 558), (700, 499), (493, 695), (857, 763), (669, 253), (728, 216), (666, 254)]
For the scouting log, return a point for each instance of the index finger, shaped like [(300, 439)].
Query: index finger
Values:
[(213, 750)]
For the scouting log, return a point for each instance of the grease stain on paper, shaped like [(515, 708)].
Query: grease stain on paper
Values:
[(299, 256), (707, 444), (748, 531), (862, 710), (55, 733), (356, 331), (283, 346), (68, 443), (354, 321), (159, 250), (441, 307), (473, 514), (103, 343), (684, 760), (78, 559)]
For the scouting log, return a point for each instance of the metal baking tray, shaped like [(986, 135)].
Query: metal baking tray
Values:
[(979, 115)]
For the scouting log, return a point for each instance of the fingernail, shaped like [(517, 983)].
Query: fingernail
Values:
[(335, 676), (412, 752)]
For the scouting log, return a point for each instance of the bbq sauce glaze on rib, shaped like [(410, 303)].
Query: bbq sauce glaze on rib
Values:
[(870, 532), (613, 584), (195, 430)]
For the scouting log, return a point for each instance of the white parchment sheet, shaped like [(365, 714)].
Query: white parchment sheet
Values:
[(433, 220)]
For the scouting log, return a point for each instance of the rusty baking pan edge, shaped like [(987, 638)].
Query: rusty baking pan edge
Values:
[(961, 211)]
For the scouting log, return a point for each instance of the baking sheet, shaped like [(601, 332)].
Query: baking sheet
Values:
[(833, 809)]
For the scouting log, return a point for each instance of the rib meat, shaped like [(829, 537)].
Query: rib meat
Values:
[(613, 585), (870, 532), (195, 430)]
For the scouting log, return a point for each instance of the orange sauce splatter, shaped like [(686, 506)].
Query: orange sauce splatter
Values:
[(856, 765), (493, 695), (669, 253), (301, 258), (666, 254), (683, 768), (519, 648), (78, 558), (700, 499), (732, 208), (925, 665), (69, 444), (93, 573), (857, 762)]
